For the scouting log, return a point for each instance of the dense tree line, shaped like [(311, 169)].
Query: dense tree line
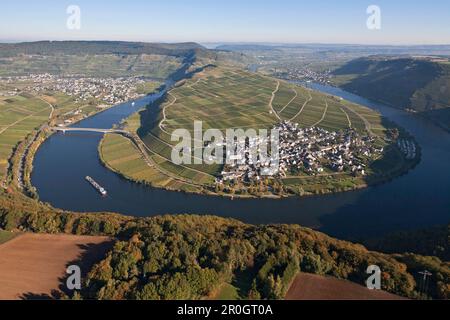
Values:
[(188, 257)]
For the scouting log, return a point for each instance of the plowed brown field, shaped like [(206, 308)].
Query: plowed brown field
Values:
[(313, 287), (33, 266)]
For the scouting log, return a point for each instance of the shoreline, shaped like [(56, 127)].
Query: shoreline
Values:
[(383, 180), (206, 190)]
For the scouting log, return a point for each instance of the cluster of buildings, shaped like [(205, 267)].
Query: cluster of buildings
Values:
[(109, 91), (305, 74), (408, 148), (249, 162), (312, 151), (315, 150), (10, 93)]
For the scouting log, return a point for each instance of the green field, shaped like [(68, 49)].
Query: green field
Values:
[(383, 79), (225, 98), (5, 236), (19, 115)]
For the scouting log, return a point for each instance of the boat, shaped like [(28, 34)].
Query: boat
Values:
[(98, 187)]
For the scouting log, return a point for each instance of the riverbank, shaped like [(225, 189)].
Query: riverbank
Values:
[(424, 115), (149, 162), (405, 201)]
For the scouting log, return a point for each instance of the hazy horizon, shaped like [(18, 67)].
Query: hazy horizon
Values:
[(284, 22), (218, 43)]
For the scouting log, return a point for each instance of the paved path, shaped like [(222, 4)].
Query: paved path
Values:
[(348, 118), (273, 98), (323, 116)]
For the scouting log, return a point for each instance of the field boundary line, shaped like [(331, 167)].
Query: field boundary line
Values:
[(168, 144), (348, 117), (323, 116), (273, 98), (303, 107), (20, 120), (287, 105), (366, 122), (155, 166)]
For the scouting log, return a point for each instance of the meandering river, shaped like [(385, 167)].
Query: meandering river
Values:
[(418, 199)]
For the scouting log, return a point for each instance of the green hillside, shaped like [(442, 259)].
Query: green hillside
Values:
[(192, 257), (106, 58), (94, 58), (95, 48), (433, 241), (189, 256), (232, 98), (418, 84)]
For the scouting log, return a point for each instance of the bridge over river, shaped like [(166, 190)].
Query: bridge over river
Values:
[(71, 129)]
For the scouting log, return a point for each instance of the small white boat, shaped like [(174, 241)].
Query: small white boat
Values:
[(97, 186)]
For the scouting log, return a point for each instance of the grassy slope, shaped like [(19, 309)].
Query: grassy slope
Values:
[(230, 98), (6, 236), (405, 83), (26, 112)]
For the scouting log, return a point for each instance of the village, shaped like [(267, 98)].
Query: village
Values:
[(304, 74), (109, 91), (306, 151)]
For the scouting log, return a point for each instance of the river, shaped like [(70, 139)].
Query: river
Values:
[(418, 199)]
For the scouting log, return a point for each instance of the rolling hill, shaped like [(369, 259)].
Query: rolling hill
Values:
[(233, 98), (106, 58), (95, 58), (95, 47), (416, 84)]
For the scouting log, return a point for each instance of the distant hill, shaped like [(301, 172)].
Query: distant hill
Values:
[(108, 58), (95, 58), (96, 47), (418, 84), (433, 241)]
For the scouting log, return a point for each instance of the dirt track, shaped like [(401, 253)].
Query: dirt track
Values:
[(32, 266), (313, 287)]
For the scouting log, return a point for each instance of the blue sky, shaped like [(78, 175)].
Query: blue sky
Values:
[(283, 21)]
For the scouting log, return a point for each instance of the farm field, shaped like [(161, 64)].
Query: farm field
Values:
[(32, 265), (19, 116), (224, 98)]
